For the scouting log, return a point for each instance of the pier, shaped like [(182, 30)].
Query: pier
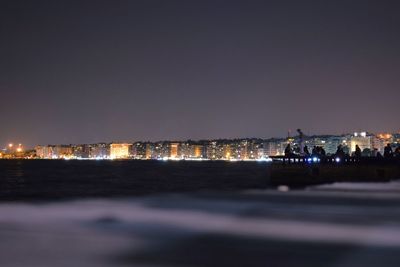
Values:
[(300, 171)]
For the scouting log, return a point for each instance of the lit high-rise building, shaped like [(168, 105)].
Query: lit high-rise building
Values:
[(149, 151), (44, 152), (197, 151), (81, 151), (62, 151), (119, 150), (227, 152), (211, 150), (185, 150), (173, 150)]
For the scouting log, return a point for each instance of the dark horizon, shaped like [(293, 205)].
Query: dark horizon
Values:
[(90, 71)]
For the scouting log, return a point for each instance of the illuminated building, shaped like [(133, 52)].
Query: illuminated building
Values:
[(379, 141), (197, 151), (149, 154), (363, 140), (253, 149), (243, 150), (274, 147), (227, 153), (44, 152), (332, 142), (139, 150), (81, 151), (219, 149), (173, 151), (185, 150), (211, 150), (119, 150), (190, 149), (99, 151), (161, 150), (62, 151)]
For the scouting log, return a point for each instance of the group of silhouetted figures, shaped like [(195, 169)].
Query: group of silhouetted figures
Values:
[(387, 152), (319, 151), (316, 151)]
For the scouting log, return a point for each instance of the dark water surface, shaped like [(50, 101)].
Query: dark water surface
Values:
[(342, 224), (59, 179)]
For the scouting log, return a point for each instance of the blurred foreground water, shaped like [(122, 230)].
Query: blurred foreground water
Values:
[(342, 224)]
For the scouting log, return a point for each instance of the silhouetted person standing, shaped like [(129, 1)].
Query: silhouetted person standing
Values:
[(314, 151), (388, 152), (301, 135), (306, 152), (357, 153), (339, 152), (288, 150), (322, 151)]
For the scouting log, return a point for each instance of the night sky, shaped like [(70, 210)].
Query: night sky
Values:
[(90, 71)]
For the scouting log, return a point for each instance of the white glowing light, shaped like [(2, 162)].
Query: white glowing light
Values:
[(264, 160), (283, 188), (337, 160)]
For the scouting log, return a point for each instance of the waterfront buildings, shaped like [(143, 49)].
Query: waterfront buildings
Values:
[(220, 149)]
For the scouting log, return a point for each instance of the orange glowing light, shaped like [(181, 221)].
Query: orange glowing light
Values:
[(384, 136)]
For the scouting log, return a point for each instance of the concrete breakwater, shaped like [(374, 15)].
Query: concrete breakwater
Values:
[(303, 171)]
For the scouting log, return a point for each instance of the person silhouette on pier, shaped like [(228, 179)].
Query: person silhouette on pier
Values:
[(288, 151), (314, 151), (357, 153), (322, 151), (305, 151), (340, 152), (388, 152)]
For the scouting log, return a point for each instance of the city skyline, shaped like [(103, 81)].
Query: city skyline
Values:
[(130, 140), (370, 144)]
